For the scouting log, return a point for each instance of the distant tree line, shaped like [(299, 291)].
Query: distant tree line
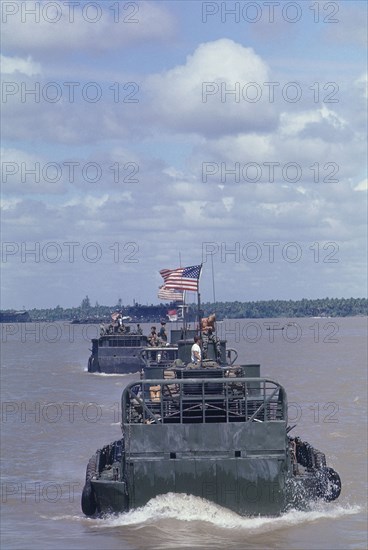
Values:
[(324, 307)]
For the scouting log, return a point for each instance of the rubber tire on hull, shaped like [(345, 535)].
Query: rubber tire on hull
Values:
[(333, 485), (93, 364), (88, 501), (329, 486)]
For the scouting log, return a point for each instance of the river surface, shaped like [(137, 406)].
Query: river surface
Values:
[(55, 415)]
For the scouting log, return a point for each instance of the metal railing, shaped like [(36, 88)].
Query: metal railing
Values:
[(153, 356), (122, 340), (203, 400)]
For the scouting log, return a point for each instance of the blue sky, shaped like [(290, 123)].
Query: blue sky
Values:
[(153, 158)]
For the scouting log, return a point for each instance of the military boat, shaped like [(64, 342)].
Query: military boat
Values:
[(217, 431), (117, 352)]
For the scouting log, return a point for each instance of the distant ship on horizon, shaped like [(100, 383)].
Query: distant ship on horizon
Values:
[(12, 316)]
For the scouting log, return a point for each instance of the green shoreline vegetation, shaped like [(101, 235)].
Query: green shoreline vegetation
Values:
[(323, 307)]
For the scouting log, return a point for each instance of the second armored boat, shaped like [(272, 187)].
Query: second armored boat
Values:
[(121, 352)]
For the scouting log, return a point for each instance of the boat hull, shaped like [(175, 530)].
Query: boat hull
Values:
[(118, 361), (110, 496), (246, 486), (249, 487), (222, 438), (124, 354)]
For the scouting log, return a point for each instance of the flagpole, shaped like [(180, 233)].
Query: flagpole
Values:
[(184, 318), (213, 283), (199, 305), (199, 315)]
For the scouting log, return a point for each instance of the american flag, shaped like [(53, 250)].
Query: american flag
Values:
[(170, 294), (183, 278)]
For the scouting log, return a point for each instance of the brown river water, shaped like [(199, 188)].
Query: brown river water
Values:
[(55, 415)]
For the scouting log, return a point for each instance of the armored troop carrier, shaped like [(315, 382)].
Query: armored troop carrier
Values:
[(216, 431), (121, 353)]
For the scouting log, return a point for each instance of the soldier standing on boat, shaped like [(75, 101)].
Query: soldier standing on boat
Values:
[(152, 338), (196, 354), (208, 335), (121, 327), (162, 334)]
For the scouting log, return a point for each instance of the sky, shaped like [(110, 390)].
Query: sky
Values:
[(144, 135)]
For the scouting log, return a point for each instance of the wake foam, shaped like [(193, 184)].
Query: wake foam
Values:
[(188, 508)]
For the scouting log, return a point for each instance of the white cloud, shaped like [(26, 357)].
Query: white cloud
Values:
[(195, 97), (362, 84), (241, 147), (90, 202), (362, 186), (9, 204), (294, 123), (28, 67), (228, 203)]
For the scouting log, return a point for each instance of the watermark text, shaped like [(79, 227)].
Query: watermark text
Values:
[(36, 492), (70, 12), (268, 172), (290, 332), (69, 252), (271, 252), (69, 92), (252, 92), (270, 12), (68, 172)]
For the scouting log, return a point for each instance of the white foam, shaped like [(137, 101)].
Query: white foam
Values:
[(67, 517), (189, 508), (339, 435)]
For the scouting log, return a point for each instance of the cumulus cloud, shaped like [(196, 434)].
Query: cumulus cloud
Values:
[(214, 92), (294, 123)]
